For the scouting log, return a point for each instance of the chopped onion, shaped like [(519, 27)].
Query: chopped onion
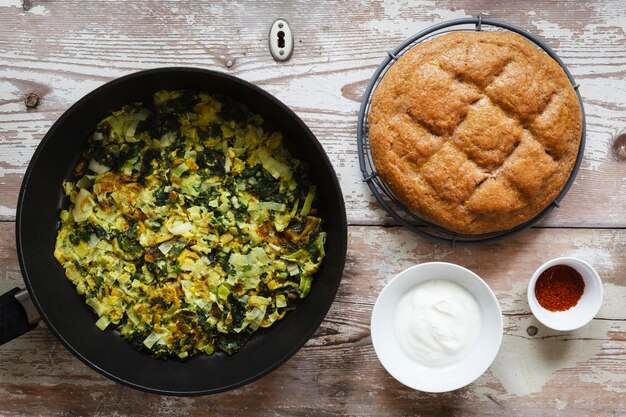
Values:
[(84, 182), (167, 139), (97, 167), (165, 247), (93, 241), (103, 322), (130, 131), (293, 269), (275, 247), (151, 340), (82, 206), (179, 227)]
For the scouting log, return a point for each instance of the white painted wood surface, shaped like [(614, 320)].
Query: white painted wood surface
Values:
[(61, 50)]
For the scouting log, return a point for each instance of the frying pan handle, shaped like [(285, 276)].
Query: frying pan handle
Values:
[(18, 314)]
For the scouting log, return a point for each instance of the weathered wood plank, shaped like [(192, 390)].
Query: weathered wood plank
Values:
[(63, 50), (579, 373)]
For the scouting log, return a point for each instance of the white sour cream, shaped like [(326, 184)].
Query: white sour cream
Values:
[(436, 322)]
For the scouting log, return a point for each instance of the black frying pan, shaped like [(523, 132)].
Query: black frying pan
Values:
[(66, 313)]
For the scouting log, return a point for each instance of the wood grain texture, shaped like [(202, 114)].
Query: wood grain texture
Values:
[(579, 373), (63, 50)]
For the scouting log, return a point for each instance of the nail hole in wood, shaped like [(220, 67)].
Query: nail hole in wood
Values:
[(532, 330), (619, 147), (31, 100)]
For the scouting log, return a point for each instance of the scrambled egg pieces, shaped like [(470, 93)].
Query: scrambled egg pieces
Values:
[(189, 225)]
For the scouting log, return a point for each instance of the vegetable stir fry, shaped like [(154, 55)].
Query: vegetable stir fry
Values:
[(189, 225)]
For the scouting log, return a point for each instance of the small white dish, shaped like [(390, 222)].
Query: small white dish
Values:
[(586, 308), (466, 368)]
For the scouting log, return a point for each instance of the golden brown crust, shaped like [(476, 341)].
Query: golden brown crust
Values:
[(475, 131)]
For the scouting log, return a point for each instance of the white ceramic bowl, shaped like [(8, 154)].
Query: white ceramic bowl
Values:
[(586, 308), (469, 366)]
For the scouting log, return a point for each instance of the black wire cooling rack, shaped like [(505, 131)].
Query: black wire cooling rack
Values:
[(398, 211)]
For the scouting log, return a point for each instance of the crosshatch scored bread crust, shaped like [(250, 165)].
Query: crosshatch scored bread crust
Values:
[(475, 131)]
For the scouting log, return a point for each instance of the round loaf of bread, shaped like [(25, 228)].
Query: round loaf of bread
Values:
[(477, 132)]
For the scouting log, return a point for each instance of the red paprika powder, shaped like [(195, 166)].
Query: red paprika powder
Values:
[(559, 288)]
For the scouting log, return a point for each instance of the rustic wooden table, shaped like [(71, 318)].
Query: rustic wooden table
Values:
[(61, 50)]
